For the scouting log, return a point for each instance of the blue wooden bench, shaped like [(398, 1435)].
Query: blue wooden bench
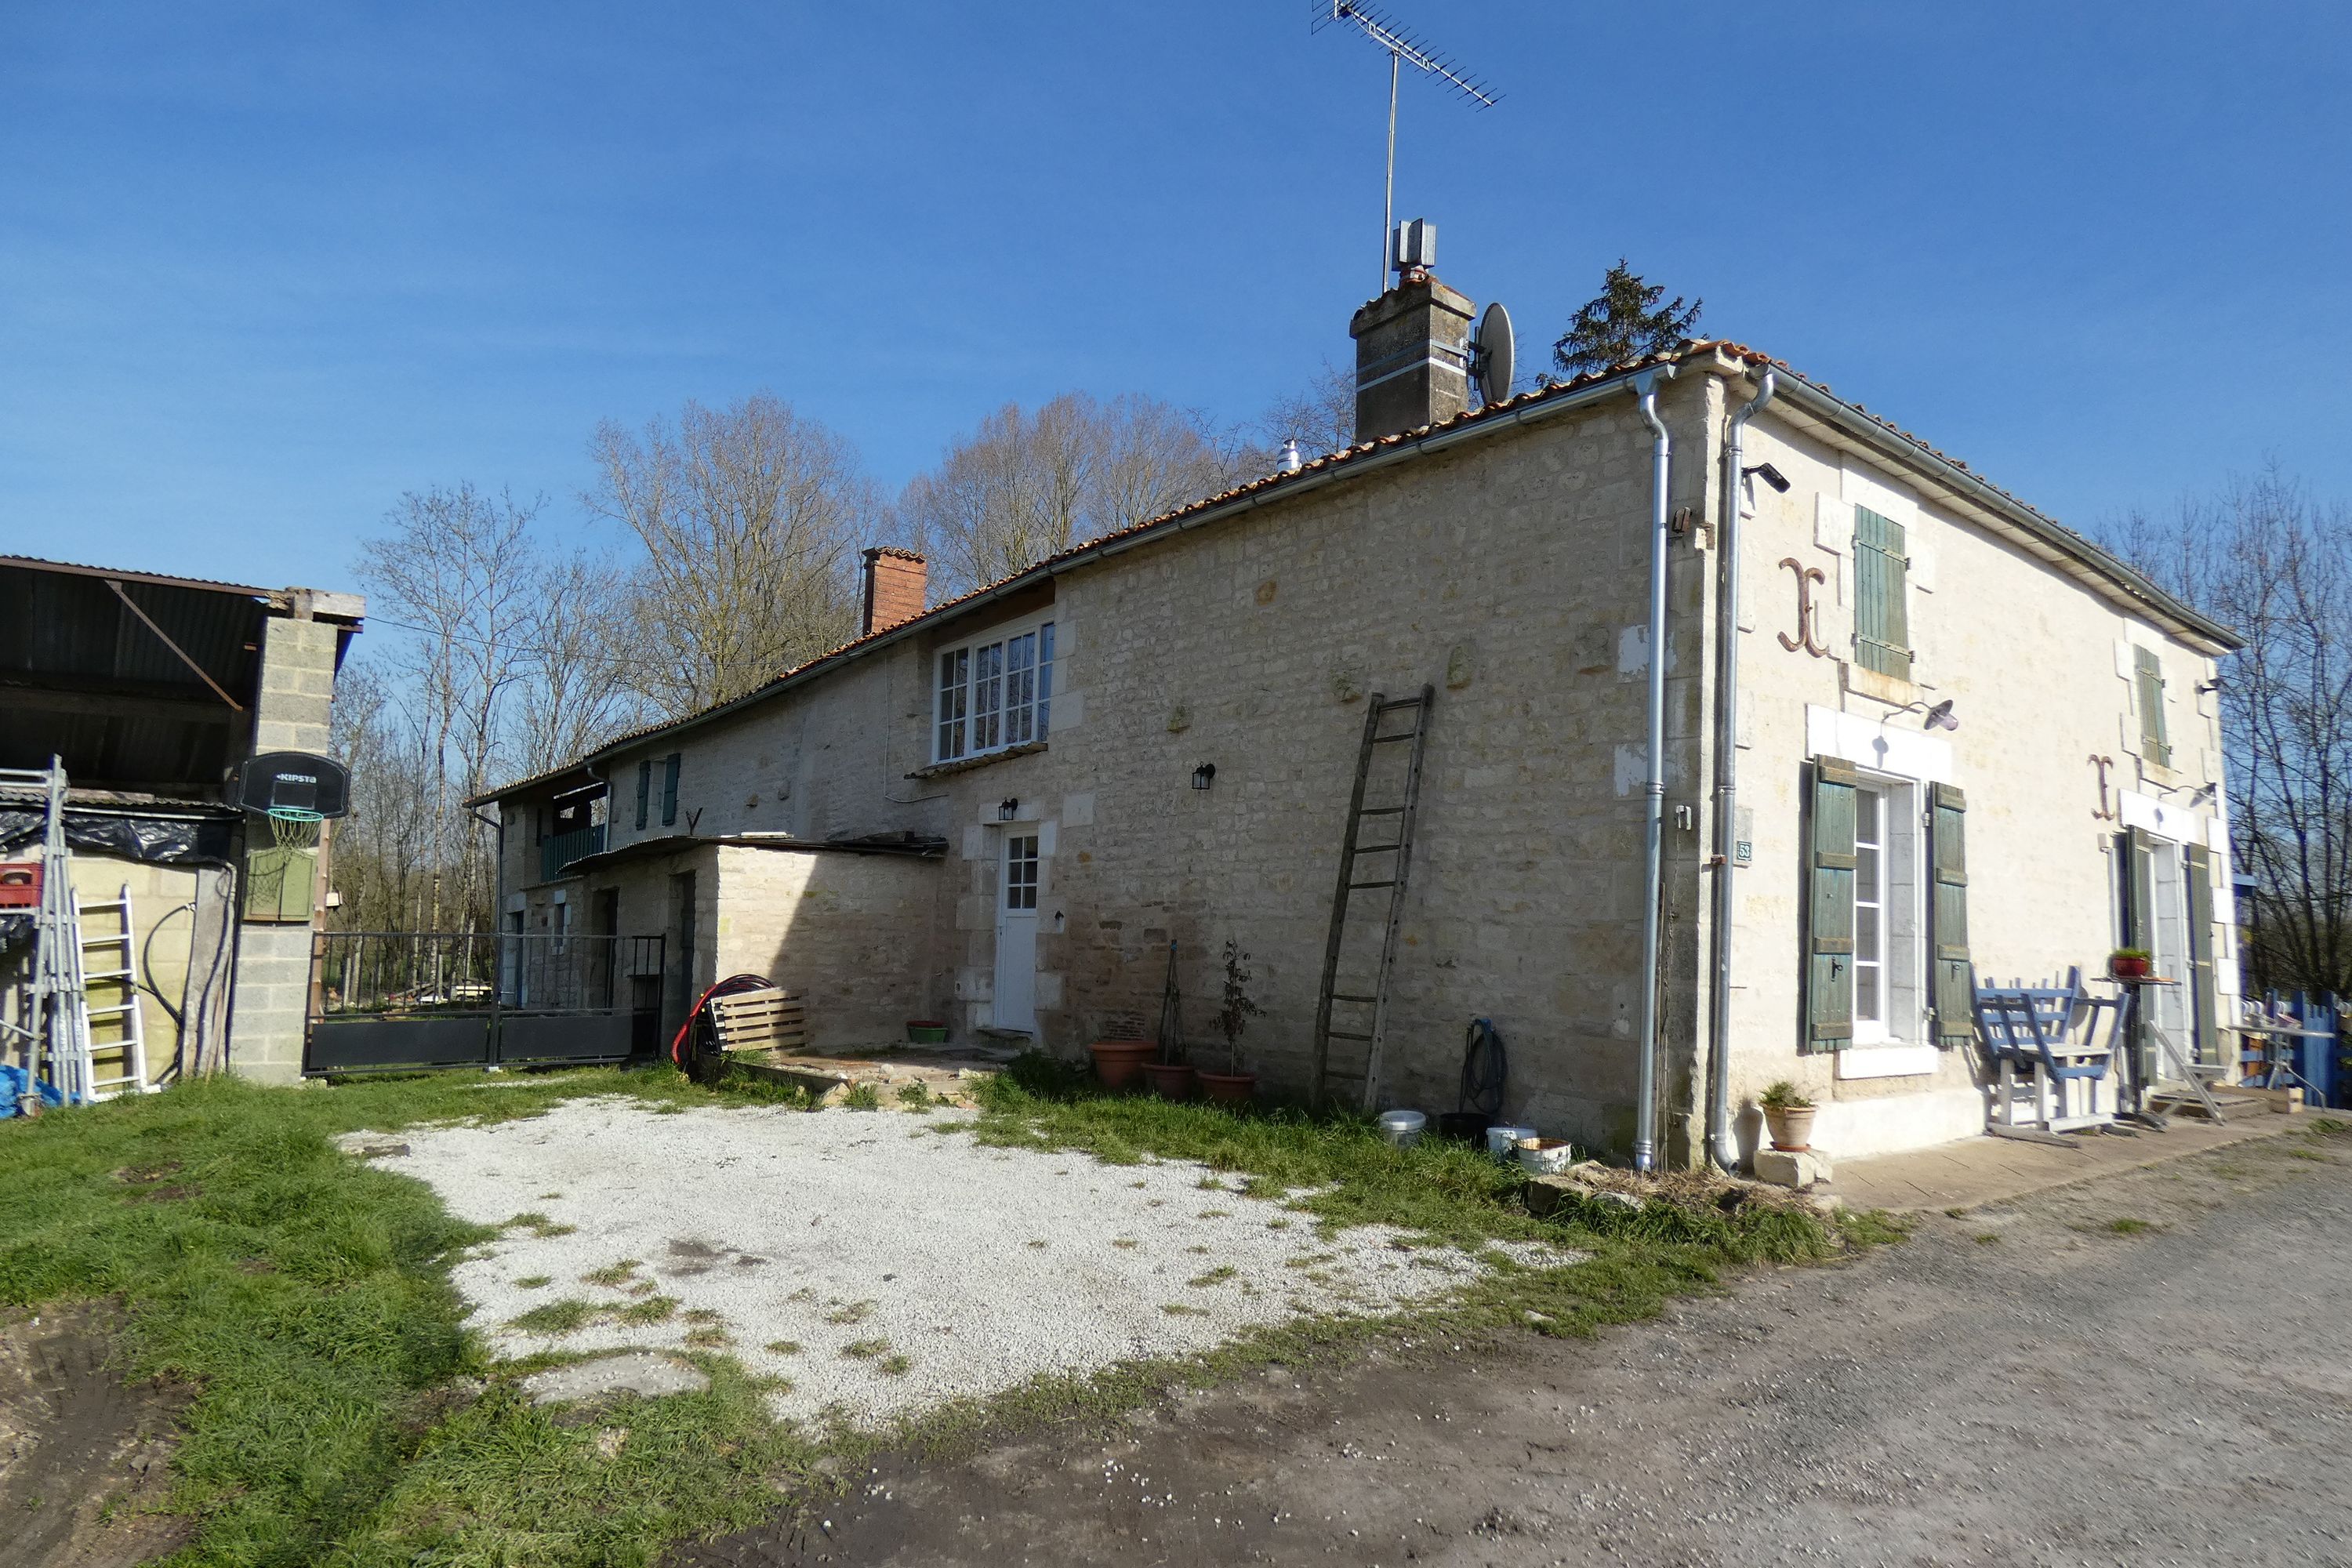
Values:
[(2049, 1061)]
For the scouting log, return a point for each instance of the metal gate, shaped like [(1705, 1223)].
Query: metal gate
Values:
[(409, 1001)]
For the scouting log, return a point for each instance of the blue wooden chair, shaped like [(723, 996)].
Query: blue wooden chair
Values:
[(2050, 1035)]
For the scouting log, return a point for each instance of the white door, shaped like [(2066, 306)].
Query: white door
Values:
[(1017, 933)]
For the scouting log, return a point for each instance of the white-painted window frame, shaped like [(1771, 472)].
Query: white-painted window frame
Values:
[(1901, 954), (994, 691)]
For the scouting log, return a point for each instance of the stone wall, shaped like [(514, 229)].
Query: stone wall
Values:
[(2035, 664), (1510, 575)]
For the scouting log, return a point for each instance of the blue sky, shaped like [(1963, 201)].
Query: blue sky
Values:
[(262, 267)]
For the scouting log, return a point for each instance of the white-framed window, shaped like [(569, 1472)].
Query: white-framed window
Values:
[(993, 692), (1021, 871), (1889, 922)]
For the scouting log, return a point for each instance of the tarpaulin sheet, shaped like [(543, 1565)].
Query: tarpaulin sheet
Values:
[(150, 840)]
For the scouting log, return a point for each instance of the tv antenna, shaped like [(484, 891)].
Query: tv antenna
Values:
[(1404, 49)]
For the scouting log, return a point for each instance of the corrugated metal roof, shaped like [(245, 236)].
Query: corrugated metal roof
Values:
[(83, 678)]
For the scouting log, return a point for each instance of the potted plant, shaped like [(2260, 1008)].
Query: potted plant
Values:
[(1232, 1086), (2130, 963), (1172, 1075), (1790, 1117), (1118, 1063)]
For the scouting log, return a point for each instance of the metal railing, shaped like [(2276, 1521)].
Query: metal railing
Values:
[(560, 850), (451, 973)]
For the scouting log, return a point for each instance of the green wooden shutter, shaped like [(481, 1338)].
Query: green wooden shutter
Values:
[(1829, 914), (2154, 743), (2197, 865), (670, 790), (1882, 616), (1948, 832), (645, 791)]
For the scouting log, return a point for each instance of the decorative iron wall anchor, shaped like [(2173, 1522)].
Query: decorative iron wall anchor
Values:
[(1808, 612), (2105, 812)]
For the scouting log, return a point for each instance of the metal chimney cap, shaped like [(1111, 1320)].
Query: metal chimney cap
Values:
[(1416, 244)]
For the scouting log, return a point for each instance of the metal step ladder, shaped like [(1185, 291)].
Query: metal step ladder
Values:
[(133, 1075), (1381, 864), (58, 1045)]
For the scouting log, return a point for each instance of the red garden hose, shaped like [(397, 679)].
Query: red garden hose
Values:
[(727, 987)]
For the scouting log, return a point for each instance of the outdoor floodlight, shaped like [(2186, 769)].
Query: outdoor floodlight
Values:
[(1770, 476)]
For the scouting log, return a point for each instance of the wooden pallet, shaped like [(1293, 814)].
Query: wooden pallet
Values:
[(769, 1020)]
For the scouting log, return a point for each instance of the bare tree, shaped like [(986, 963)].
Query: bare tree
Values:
[(1320, 416), (579, 693), (455, 569), (2274, 565), (386, 847), (748, 515), (1024, 487)]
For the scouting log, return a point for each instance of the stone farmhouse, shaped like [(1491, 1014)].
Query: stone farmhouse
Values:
[(1904, 723)]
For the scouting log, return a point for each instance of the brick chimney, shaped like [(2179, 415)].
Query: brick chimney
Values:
[(1412, 345), (896, 580)]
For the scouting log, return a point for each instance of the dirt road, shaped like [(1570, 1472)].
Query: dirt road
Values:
[(2151, 1369)]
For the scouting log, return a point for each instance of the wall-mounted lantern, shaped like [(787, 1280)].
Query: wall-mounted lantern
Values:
[(1008, 810), (1204, 775)]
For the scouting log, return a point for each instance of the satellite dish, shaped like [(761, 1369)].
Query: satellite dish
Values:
[(1494, 354)]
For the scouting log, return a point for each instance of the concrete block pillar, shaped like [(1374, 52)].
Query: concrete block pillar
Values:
[(273, 959)]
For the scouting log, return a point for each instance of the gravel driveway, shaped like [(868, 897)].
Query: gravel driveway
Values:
[(2042, 1382), (880, 1261)]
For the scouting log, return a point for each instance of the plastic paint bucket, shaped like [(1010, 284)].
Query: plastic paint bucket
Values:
[(1501, 1137)]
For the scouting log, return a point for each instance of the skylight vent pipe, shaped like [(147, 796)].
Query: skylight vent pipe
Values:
[(1653, 776), (1721, 1142)]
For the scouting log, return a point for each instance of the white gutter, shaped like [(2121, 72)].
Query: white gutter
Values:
[(1653, 776), (1721, 1142)]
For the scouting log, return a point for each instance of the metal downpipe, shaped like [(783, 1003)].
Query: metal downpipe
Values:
[(1723, 1144), (1654, 778)]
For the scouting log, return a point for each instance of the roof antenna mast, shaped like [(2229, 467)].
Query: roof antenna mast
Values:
[(1404, 49)]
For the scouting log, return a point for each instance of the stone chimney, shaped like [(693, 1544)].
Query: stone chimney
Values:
[(896, 580), (1412, 345)]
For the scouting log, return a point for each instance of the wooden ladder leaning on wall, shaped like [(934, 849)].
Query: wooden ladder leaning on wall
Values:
[(1389, 875)]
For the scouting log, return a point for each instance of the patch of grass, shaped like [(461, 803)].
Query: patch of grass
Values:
[(2129, 1227), (865, 1350), (534, 1281), (849, 1312), (652, 1309), (1217, 1276), (1124, 1243), (702, 1315), (2309, 1154), (862, 1097), (914, 1096), (895, 1366), (538, 1224), (306, 1298), (1987, 1239), (783, 1347), (556, 1318), (1183, 1309), (613, 1274), (709, 1339)]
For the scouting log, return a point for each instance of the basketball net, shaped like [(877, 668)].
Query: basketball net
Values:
[(293, 828)]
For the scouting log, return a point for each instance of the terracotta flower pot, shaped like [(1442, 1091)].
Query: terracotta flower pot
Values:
[(1119, 1063), (2125, 968), (1229, 1088), (1792, 1127), (1170, 1080)]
